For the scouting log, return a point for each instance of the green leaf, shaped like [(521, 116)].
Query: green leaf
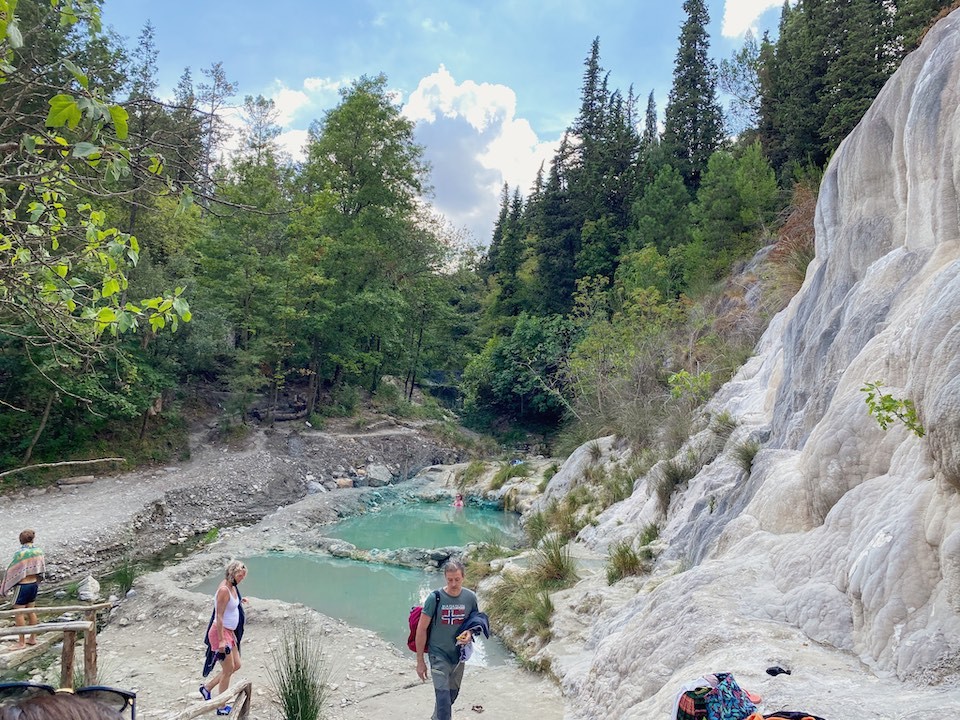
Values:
[(111, 286), (61, 270), (124, 321), (181, 307), (85, 149), (120, 118), (77, 73), (63, 111)]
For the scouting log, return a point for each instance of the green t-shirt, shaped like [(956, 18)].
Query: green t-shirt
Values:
[(453, 612)]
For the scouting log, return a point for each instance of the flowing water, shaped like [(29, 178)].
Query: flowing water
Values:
[(371, 595)]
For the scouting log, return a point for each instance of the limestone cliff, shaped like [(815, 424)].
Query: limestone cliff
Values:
[(838, 554)]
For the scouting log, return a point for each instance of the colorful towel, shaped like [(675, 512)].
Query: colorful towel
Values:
[(27, 561)]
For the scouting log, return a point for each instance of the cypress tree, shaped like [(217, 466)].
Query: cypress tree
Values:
[(693, 127)]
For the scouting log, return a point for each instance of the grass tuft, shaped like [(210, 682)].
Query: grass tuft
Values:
[(673, 474), (744, 453), (299, 674), (508, 471), (124, 575), (623, 561)]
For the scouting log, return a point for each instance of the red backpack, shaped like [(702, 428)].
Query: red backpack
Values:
[(414, 619)]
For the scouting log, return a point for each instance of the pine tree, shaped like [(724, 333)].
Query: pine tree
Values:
[(693, 127), (489, 265), (859, 65), (557, 237), (911, 20)]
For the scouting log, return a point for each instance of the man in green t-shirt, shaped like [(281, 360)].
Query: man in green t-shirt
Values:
[(446, 669)]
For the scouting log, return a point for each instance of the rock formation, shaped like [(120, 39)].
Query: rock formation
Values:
[(838, 552)]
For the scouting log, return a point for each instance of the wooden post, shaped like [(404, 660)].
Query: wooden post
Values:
[(90, 649), (245, 706), (66, 658)]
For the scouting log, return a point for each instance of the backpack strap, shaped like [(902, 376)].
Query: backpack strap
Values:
[(436, 609)]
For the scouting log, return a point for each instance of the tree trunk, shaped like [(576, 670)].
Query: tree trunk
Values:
[(43, 424), (416, 359)]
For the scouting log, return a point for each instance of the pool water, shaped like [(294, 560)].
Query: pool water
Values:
[(367, 595), (427, 525)]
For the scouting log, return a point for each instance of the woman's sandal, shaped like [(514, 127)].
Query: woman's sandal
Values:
[(225, 710), (204, 693)]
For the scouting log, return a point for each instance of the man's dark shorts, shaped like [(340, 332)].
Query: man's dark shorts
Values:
[(26, 593)]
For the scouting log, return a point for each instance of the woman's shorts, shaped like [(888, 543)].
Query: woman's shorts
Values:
[(214, 639), (26, 593)]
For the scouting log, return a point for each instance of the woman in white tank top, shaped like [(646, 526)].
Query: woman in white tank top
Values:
[(222, 636)]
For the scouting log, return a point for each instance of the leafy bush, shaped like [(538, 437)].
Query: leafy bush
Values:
[(886, 409), (744, 453), (299, 674), (623, 561)]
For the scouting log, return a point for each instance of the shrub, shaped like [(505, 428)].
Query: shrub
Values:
[(299, 674), (211, 536), (744, 453), (508, 471), (623, 561)]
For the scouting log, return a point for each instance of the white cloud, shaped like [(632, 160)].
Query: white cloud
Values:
[(318, 84), (474, 143), (740, 15), (433, 26), (288, 102), (292, 142)]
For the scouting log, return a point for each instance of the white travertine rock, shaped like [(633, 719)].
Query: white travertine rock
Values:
[(838, 554)]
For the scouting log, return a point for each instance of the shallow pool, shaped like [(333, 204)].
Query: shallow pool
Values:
[(368, 595), (427, 525)]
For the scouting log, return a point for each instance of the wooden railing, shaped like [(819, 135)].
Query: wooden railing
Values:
[(88, 626), (244, 688)]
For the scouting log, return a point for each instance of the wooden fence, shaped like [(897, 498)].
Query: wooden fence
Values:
[(87, 626)]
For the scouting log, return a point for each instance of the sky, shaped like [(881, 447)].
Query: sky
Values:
[(491, 84)]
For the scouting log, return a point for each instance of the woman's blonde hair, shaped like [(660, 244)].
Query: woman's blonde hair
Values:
[(233, 567)]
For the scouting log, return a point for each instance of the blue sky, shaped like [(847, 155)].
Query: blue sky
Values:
[(492, 84)]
